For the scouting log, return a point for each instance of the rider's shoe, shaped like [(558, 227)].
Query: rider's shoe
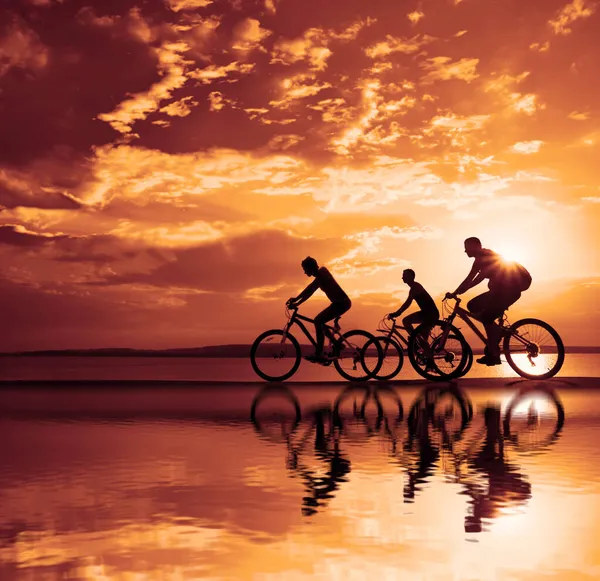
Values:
[(431, 367), (489, 360)]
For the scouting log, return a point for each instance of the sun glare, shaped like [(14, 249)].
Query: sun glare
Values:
[(513, 253)]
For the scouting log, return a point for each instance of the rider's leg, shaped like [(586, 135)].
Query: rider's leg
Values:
[(497, 301), (412, 320), (331, 312), (494, 334), (500, 300), (479, 304), (483, 308)]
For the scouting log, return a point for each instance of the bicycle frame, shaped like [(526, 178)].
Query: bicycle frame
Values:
[(394, 331), (464, 315), (331, 332), (468, 317)]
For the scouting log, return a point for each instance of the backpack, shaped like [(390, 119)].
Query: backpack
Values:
[(516, 276)]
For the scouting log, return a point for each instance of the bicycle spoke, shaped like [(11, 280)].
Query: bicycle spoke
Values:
[(353, 361), (437, 353), (392, 358), (275, 356), (533, 349)]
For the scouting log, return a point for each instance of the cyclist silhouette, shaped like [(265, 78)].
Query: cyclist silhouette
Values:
[(429, 312), (506, 486), (340, 302), (321, 488), (506, 282)]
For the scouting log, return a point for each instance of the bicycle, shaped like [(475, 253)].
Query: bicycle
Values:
[(393, 344), (276, 354), (529, 352)]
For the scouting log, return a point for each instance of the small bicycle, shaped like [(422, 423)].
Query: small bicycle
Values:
[(393, 340), (276, 354), (532, 347), (392, 343)]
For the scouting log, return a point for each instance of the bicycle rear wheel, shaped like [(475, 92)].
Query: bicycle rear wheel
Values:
[(353, 362), (275, 355), (534, 349), (447, 359), (534, 419)]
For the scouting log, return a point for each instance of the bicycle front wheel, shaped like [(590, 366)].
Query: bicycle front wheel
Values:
[(352, 360), (275, 355), (534, 349), (436, 358), (392, 357), (275, 413)]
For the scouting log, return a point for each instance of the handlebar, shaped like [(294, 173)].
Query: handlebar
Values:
[(384, 324), (456, 298)]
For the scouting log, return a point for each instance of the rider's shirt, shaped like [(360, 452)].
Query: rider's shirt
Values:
[(493, 267), (423, 299), (487, 263), (330, 287)]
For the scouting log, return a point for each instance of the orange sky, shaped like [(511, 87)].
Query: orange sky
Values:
[(165, 165)]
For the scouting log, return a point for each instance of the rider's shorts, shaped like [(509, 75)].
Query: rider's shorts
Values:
[(491, 305)]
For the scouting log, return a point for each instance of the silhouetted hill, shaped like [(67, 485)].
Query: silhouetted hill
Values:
[(209, 351)]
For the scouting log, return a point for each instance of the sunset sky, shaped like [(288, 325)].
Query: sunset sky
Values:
[(165, 165)]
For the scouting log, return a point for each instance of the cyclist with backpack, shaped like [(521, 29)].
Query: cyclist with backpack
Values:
[(507, 280)]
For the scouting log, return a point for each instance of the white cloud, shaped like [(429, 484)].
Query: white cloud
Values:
[(527, 147)]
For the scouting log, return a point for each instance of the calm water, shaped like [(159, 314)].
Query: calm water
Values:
[(208, 369), (268, 484)]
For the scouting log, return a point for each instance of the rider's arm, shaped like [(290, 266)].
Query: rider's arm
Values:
[(405, 306), (473, 279), (307, 292)]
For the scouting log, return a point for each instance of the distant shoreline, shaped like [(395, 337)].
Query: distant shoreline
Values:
[(217, 351)]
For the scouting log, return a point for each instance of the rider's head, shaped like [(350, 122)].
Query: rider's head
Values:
[(408, 275), (310, 266), (472, 246)]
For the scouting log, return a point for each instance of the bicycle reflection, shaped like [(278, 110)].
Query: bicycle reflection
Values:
[(326, 445), (441, 432)]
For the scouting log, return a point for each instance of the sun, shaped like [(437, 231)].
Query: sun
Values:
[(514, 253)]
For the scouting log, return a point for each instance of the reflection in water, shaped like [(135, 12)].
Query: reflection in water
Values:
[(441, 433), (367, 482), (324, 429)]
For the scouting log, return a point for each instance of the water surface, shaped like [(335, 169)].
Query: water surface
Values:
[(304, 484), (225, 369)]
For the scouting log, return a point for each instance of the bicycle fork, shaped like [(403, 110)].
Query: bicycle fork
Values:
[(286, 330)]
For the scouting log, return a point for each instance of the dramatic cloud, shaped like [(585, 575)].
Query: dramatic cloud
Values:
[(171, 66), (576, 10), (21, 48), (391, 45), (248, 35), (442, 68), (313, 46), (166, 165), (183, 5)]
